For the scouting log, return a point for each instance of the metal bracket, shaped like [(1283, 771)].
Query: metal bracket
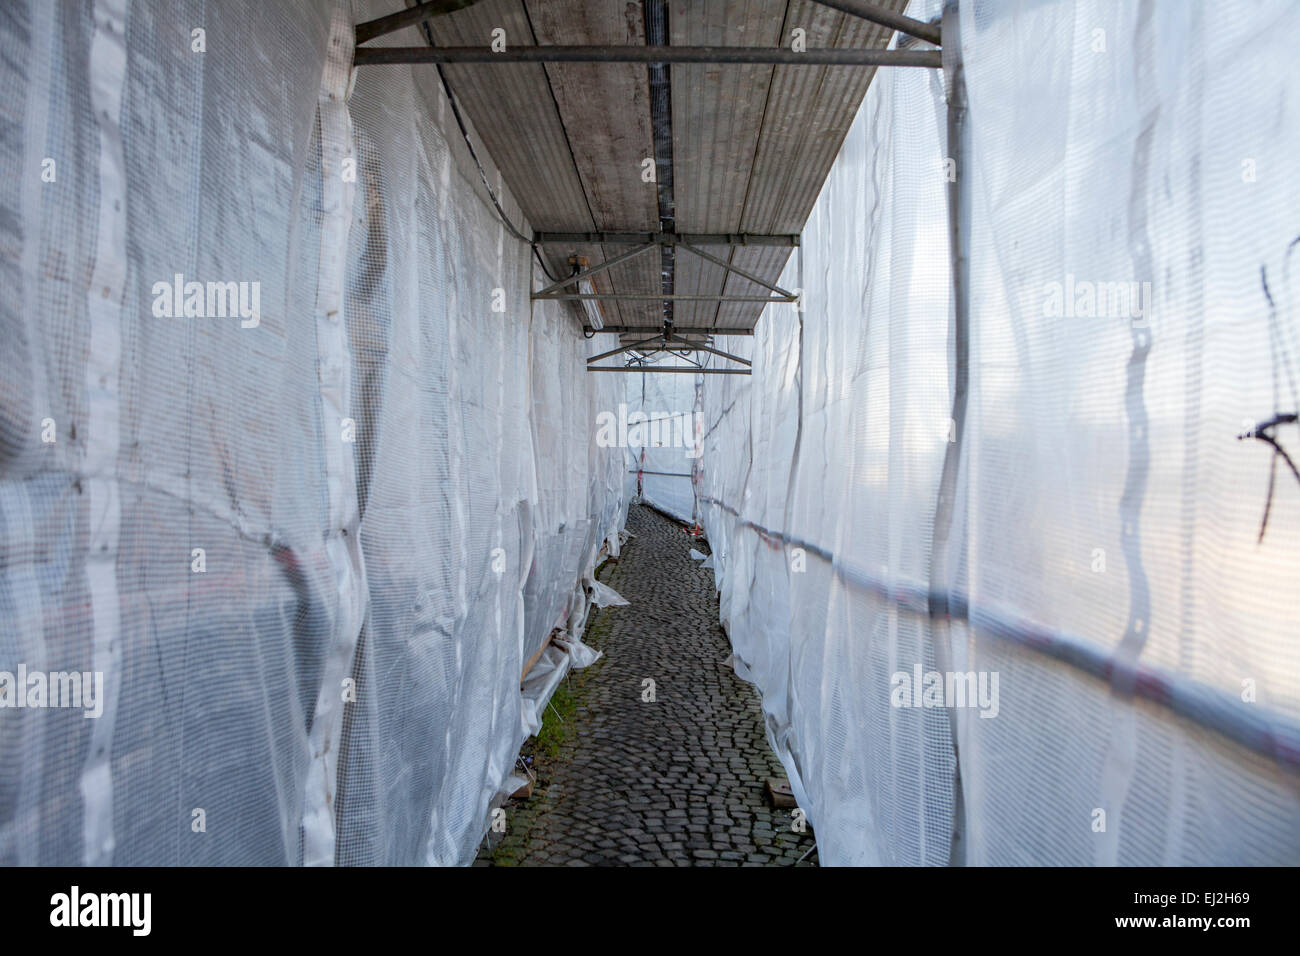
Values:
[(789, 296), (588, 273), (929, 32), (382, 26)]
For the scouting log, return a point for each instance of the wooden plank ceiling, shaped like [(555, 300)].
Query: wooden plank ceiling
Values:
[(751, 144)]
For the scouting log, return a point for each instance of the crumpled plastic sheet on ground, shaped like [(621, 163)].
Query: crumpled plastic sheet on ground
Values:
[(602, 595), (1105, 503), (309, 552)]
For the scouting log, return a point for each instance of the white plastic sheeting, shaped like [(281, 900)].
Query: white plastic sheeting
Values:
[(1105, 559), (310, 546)]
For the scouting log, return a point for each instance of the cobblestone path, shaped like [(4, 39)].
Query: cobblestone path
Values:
[(677, 781)]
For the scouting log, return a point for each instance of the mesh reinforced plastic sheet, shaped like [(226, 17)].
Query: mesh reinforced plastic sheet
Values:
[(311, 547), (1134, 310)]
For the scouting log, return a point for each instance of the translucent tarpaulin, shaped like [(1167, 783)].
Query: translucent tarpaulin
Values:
[(663, 444), (310, 544), (1133, 313)]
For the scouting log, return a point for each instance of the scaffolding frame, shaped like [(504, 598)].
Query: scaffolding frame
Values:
[(656, 55)]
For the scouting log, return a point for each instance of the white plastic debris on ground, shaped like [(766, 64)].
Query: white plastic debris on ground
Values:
[(1104, 563), (602, 595), (310, 521)]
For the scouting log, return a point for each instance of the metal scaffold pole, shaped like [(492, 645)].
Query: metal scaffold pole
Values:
[(941, 570)]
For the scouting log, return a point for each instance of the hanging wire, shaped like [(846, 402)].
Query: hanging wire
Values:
[(1260, 432), (464, 132)]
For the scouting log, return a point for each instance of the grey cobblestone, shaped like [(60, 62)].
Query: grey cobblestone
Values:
[(678, 781)]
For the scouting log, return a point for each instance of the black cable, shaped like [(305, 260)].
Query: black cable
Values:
[(1277, 347), (1260, 433), (464, 131)]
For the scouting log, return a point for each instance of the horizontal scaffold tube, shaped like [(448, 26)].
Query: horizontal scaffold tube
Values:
[(666, 238), (1266, 732), (683, 369), (379, 56)]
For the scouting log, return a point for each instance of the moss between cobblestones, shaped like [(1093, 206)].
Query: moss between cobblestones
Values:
[(597, 631), (557, 726)]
